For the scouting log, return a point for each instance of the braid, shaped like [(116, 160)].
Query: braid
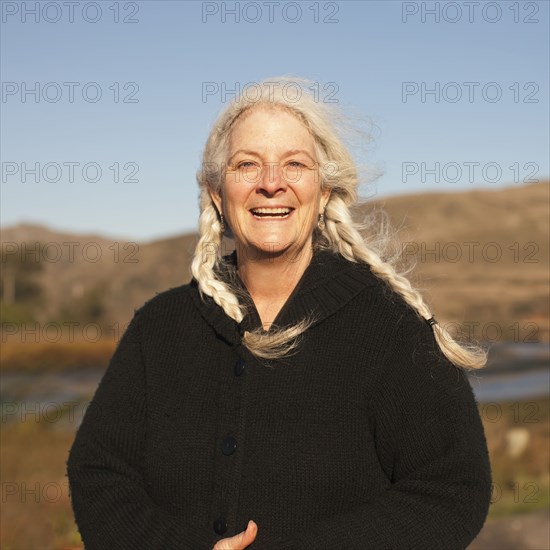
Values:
[(207, 255), (351, 245), (343, 233)]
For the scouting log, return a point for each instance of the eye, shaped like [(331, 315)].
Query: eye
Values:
[(296, 163), (245, 164)]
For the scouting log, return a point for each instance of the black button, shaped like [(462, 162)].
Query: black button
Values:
[(239, 367), (229, 444), (220, 525)]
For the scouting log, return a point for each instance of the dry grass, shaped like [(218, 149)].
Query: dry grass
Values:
[(56, 356), (36, 510), (522, 483)]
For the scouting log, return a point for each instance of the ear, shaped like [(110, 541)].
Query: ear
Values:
[(325, 196), (216, 198)]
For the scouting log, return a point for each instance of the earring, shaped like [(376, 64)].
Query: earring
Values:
[(222, 224), (321, 222)]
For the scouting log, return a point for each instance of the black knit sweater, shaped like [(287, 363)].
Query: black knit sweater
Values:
[(366, 438)]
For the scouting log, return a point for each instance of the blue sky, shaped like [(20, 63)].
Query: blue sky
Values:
[(150, 124)]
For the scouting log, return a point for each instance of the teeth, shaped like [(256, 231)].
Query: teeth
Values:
[(271, 211)]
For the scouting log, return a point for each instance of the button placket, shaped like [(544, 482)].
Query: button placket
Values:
[(228, 468)]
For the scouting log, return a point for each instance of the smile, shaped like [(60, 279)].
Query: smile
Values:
[(271, 213)]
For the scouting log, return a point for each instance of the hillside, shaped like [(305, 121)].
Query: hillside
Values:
[(481, 257)]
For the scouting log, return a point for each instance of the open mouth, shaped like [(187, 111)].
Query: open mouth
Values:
[(271, 213)]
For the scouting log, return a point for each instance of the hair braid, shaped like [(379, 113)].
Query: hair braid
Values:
[(351, 245), (207, 255)]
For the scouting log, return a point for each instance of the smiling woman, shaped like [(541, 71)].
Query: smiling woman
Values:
[(300, 381)]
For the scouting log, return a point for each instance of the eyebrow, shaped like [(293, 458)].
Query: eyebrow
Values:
[(287, 154)]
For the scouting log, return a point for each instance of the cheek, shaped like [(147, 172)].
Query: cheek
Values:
[(311, 196), (236, 212), (235, 196)]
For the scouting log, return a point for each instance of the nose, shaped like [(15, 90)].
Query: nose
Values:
[(271, 180)]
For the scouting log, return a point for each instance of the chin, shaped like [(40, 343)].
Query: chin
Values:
[(289, 249), (272, 249)]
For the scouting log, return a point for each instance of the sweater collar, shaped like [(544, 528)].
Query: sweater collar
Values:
[(329, 282)]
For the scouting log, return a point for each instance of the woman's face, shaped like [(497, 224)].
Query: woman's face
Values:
[(271, 197)]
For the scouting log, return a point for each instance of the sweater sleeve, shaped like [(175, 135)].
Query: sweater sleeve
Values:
[(108, 493), (431, 443)]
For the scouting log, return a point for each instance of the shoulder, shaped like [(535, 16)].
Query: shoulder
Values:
[(171, 315), (167, 302), (374, 304), (332, 266), (378, 296), (381, 308)]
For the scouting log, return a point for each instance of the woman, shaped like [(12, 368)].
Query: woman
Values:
[(299, 382)]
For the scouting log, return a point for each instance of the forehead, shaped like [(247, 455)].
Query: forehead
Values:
[(270, 126)]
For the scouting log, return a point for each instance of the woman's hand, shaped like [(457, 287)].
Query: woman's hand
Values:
[(240, 541)]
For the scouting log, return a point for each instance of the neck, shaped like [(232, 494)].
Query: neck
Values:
[(271, 277)]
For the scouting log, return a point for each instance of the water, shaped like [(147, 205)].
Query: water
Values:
[(516, 385), (59, 399), (513, 371)]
